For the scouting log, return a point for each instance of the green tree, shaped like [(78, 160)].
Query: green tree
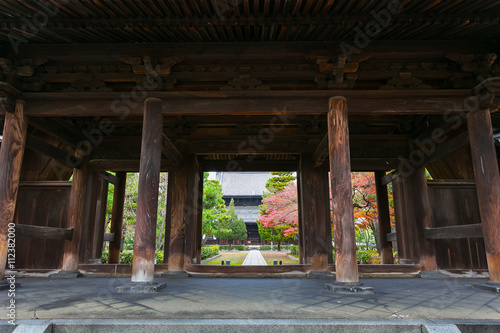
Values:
[(229, 226), (213, 206), (279, 181)]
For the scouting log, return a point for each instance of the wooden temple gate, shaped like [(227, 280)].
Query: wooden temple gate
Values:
[(102, 99)]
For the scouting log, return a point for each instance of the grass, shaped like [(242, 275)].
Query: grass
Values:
[(270, 256), (236, 258)]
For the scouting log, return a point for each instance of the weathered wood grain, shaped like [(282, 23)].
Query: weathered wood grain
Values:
[(34, 231), (11, 159), (487, 183), (147, 200), (340, 177)]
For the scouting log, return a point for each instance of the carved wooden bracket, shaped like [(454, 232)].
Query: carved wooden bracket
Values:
[(484, 93), (156, 70), (477, 64), (244, 82), (336, 72), (8, 97), (405, 81)]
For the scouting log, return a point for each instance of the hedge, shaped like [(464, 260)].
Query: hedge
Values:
[(234, 247), (209, 251), (294, 250)]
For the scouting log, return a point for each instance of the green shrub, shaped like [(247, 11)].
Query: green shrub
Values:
[(224, 247), (104, 257), (294, 250), (240, 247), (209, 251), (265, 247), (159, 257), (286, 247), (126, 257)]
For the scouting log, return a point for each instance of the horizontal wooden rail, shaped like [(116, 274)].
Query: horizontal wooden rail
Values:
[(456, 231), (391, 237), (34, 231), (109, 237)]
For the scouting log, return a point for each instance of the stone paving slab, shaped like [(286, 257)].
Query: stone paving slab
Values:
[(222, 298), (254, 258)]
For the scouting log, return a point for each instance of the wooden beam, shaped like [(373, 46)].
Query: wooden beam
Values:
[(170, 152), (384, 219), (117, 218), (392, 237), (487, 176), (51, 127), (147, 202), (109, 237), (448, 147), (321, 152), (274, 103), (53, 184), (251, 146), (36, 144), (34, 231), (108, 177), (11, 159), (244, 165), (455, 231), (342, 205), (125, 165), (389, 177)]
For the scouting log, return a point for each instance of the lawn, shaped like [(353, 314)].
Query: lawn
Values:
[(236, 257), (269, 256)]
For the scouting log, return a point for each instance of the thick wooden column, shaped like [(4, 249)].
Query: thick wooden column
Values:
[(384, 219), (340, 176), (487, 185), (76, 215), (400, 217), (199, 219), (147, 200), (117, 218), (183, 217), (420, 216), (11, 159), (315, 211)]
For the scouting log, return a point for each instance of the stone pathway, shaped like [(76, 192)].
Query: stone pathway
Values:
[(254, 258)]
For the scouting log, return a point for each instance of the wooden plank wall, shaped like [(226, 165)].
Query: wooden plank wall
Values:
[(455, 203), (41, 206)]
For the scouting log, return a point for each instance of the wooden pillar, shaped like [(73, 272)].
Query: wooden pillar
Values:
[(400, 217), (487, 185), (184, 208), (76, 214), (315, 211), (168, 217), (300, 234), (117, 218), (199, 221), (100, 219), (384, 219), (420, 217), (11, 159), (340, 176), (147, 200)]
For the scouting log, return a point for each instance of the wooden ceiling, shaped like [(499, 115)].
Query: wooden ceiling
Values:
[(133, 21)]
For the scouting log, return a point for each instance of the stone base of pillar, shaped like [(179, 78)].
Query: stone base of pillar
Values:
[(320, 275), (140, 287), (432, 275), (348, 288), (66, 275), (4, 285), (493, 287)]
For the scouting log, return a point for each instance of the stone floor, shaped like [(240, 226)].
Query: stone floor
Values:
[(223, 298)]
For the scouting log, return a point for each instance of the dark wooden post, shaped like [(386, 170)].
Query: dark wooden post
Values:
[(11, 159), (400, 217), (191, 210), (315, 211), (147, 200), (487, 185), (384, 219), (117, 218), (199, 221), (100, 219), (168, 217), (340, 176), (76, 214), (419, 211)]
